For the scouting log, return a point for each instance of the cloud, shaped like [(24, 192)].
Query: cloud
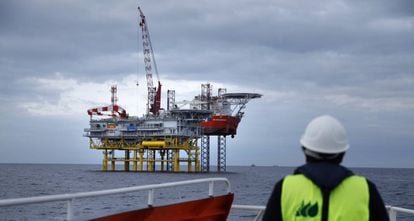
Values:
[(371, 104), (353, 59), (394, 24), (73, 97)]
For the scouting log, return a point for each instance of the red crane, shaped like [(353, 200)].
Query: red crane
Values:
[(154, 93)]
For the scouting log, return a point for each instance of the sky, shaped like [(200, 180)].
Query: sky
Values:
[(351, 59)]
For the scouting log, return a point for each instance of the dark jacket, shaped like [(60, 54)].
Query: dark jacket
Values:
[(326, 176)]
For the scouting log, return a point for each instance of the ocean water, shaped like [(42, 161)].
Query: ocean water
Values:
[(251, 185)]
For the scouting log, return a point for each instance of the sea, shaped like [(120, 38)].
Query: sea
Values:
[(252, 185)]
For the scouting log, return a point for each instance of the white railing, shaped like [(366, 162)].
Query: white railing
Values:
[(392, 212), (259, 209), (69, 198)]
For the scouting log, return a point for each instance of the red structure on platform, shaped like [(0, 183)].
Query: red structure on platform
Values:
[(221, 125)]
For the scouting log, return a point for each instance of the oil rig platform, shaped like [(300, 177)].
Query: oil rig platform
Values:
[(175, 139)]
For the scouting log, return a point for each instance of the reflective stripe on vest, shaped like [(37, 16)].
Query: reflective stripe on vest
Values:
[(302, 200)]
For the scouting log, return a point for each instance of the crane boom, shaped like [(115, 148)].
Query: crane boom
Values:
[(154, 93)]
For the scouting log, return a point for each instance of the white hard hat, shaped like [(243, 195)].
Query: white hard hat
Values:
[(325, 134)]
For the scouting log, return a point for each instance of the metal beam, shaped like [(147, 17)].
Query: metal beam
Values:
[(221, 153), (205, 153)]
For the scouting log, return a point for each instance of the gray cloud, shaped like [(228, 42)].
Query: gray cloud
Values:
[(353, 59)]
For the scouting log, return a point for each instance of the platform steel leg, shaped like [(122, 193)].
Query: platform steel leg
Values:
[(150, 160), (162, 153), (113, 160), (197, 161), (154, 154), (141, 160), (134, 166), (205, 153), (176, 160), (105, 161), (126, 160), (189, 161), (221, 153), (170, 158)]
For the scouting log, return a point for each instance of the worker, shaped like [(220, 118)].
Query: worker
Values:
[(322, 189)]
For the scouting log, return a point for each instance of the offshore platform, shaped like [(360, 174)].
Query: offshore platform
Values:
[(166, 139)]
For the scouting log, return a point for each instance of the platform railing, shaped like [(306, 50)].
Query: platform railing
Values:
[(70, 197)]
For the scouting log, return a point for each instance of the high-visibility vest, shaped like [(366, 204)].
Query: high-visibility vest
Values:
[(302, 200)]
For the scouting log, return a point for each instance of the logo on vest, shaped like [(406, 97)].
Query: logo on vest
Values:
[(307, 210)]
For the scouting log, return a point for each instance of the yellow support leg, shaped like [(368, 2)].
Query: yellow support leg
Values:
[(135, 161), (162, 153), (189, 161), (126, 160), (197, 161), (149, 162), (176, 161), (105, 161), (141, 160), (113, 161), (153, 160)]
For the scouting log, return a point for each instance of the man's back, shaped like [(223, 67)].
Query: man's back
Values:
[(325, 191), (322, 189)]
